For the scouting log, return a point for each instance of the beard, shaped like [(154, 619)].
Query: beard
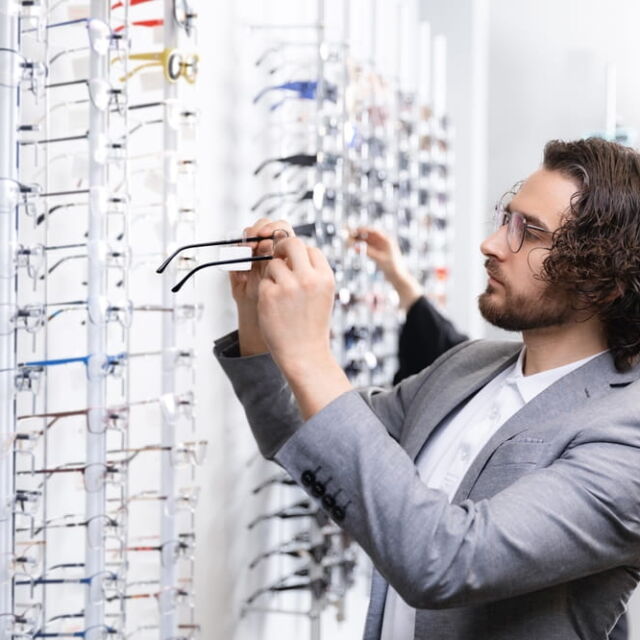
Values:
[(519, 312)]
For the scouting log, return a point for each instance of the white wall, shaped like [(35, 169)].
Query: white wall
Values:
[(466, 27)]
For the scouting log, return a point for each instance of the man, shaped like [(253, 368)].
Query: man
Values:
[(426, 334), (498, 491)]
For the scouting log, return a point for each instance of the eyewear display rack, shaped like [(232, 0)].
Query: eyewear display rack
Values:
[(346, 144), (97, 493)]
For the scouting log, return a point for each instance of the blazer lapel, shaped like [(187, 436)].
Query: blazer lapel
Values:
[(444, 395), (594, 379)]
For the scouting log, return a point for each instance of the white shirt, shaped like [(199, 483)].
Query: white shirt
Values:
[(451, 449)]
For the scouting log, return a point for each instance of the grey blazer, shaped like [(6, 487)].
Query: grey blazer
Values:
[(542, 539)]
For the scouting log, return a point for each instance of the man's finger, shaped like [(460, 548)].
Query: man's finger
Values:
[(254, 230), (278, 272), (295, 252)]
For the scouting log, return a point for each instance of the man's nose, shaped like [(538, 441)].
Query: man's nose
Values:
[(496, 244)]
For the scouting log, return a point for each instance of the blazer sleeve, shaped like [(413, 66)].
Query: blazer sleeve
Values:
[(424, 337), (571, 519), (272, 411), (578, 516)]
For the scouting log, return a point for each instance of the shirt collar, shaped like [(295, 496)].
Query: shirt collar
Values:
[(530, 386)]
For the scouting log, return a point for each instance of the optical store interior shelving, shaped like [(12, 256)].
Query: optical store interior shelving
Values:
[(98, 182), (346, 140)]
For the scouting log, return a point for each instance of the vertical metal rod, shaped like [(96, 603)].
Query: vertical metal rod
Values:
[(8, 232), (373, 12), (97, 284), (345, 178), (439, 78), (611, 100), (168, 618), (316, 604), (424, 64)]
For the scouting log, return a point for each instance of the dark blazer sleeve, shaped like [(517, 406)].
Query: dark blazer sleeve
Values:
[(424, 337)]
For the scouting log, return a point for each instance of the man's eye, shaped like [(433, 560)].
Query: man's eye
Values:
[(531, 234)]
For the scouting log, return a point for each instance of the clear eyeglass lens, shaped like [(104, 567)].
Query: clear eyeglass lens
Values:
[(28, 564), (190, 68), (174, 65), (98, 633), (100, 93), (94, 477), (95, 531), (99, 36), (199, 452), (170, 553), (31, 318), (515, 231), (180, 11), (118, 420)]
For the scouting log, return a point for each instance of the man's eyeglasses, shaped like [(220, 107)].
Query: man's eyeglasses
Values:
[(518, 229)]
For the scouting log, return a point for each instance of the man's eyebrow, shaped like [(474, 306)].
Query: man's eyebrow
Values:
[(530, 218)]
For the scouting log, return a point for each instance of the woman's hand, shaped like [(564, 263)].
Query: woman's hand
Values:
[(381, 249), (384, 251)]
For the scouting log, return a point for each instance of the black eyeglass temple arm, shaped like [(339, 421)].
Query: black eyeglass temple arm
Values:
[(218, 243), (306, 229), (180, 284)]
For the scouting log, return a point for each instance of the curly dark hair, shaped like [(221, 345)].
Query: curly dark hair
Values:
[(595, 255)]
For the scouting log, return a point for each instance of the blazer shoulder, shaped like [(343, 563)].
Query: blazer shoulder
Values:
[(477, 354), (465, 361)]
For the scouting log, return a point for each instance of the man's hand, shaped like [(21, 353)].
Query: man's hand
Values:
[(244, 285), (295, 300)]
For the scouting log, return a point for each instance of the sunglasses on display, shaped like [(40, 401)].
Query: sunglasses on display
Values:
[(323, 161), (317, 586), (301, 509), (281, 479), (299, 90), (303, 550), (183, 14), (175, 64)]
